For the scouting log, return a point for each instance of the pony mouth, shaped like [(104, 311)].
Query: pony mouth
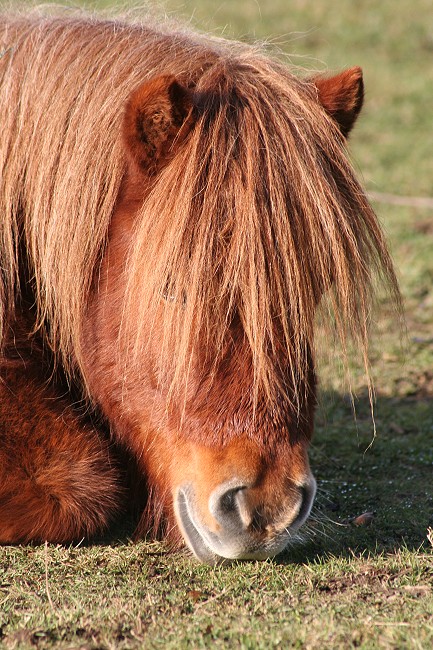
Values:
[(193, 534), (216, 548)]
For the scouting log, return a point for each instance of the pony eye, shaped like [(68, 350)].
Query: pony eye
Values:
[(169, 296), (169, 293)]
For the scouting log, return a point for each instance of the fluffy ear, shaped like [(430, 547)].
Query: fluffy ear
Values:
[(342, 97), (158, 116)]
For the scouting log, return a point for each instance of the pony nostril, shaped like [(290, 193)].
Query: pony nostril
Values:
[(231, 506), (307, 492), (227, 504)]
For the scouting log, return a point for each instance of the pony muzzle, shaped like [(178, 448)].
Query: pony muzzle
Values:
[(238, 526)]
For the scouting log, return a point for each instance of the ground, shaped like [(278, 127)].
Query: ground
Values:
[(362, 576)]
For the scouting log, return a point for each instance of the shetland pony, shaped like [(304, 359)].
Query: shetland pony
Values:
[(173, 210)]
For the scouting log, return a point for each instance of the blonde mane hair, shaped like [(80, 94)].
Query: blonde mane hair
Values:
[(255, 217)]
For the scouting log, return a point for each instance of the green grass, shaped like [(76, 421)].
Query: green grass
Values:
[(134, 596), (344, 586)]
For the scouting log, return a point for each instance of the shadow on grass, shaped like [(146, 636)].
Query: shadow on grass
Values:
[(389, 476)]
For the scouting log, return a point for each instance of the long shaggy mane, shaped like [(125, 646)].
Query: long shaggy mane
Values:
[(257, 215)]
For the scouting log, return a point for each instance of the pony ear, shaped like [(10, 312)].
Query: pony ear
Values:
[(158, 116), (342, 97)]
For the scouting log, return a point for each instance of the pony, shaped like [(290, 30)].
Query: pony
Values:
[(176, 209)]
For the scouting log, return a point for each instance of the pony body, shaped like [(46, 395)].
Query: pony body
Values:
[(174, 207)]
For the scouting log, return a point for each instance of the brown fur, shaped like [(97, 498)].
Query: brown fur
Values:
[(59, 480), (177, 207)]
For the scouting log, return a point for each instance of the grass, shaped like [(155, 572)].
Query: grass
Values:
[(344, 586), (134, 596)]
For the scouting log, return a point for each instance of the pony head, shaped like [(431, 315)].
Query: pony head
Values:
[(238, 211)]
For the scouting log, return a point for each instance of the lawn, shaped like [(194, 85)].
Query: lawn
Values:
[(362, 574)]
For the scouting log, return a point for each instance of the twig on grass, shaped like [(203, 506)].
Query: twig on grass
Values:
[(395, 199), (211, 599), (47, 588), (152, 615), (392, 624)]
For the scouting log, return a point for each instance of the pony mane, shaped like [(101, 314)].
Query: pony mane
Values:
[(65, 78), (265, 218), (258, 214)]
